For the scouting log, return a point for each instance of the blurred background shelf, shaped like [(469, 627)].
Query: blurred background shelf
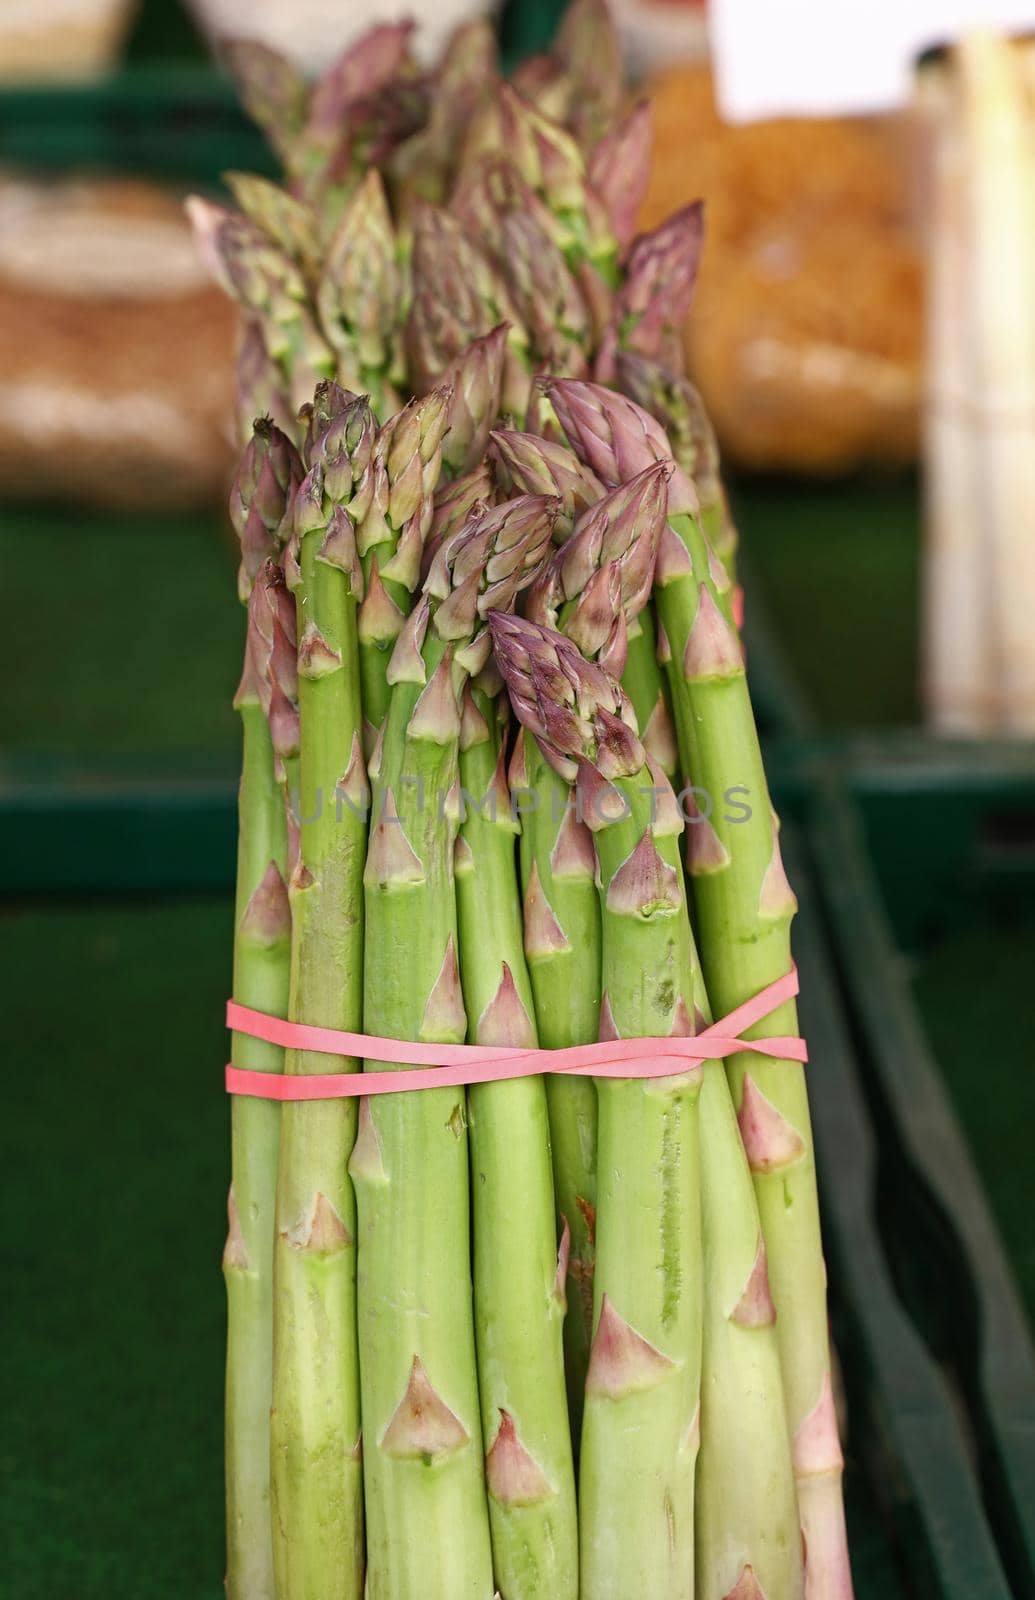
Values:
[(167, 111)]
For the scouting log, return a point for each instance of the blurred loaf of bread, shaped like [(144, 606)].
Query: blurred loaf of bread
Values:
[(116, 353), (805, 335)]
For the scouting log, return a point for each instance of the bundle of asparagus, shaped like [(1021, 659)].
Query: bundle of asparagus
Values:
[(551, 1338)]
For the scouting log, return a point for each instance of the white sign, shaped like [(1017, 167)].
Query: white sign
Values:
[(831, 57)]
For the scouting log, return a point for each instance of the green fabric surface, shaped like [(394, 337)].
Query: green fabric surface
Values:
[(969, 986), (114, 1152), (138, 644), (840, 566)]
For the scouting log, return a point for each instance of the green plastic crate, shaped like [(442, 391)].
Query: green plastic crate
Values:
[(926, 878)]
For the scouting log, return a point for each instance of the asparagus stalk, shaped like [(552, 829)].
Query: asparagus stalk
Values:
[(744, 907), (639, 1441), (259, 386), (262, 946), (359, 297), (393, 510), (600, 579), (651, 304), (423, 166), (562, 929), (644, 682), (475, 380), (519, 1280), (562, 947), (550, 162), (518, 232), (455, 501), (315, 1423), (520, 456), (367, 101), (271, 289), (562, 936), (427, 1521), (746, 1520), (579, 81), (743, 1514), (597, 583), (525, 464), (459, 296), (673, 401), (272, 89), (263, 489), (619, 169), (279, 691), (290, 223), (590, 54)]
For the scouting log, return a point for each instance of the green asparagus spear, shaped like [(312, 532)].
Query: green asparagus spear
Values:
[(393, 510), (597, 582), (651, 304), (270, 287), (525, 464), (359, 297), (459, 296), (262, 945), (475, 379), (744, 907), (273, 91), (519, 1281), (315, 1423), (422, 168), (639, 1433), (674, 402), (427, 1521)]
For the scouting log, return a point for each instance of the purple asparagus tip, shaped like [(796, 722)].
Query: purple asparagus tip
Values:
[(619, 169), (527, 464), (573, 708), (272, 90), (616, 437), (485, 566), (476, 379), (369, 65), (652, 306), (674, 402), (263, 489), (339, 438)]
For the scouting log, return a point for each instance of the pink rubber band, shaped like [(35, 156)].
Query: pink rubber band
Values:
[(440, 1066), (738, 607)]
